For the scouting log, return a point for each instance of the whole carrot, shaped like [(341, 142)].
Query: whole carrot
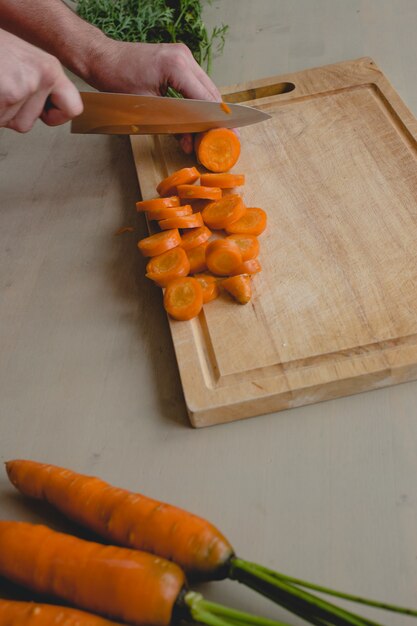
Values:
[(122, 584), (128, 519), (14, 613)]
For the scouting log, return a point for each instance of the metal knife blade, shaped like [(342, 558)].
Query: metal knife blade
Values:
[(126, 114)]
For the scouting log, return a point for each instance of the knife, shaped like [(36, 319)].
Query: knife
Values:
[(127, 114)]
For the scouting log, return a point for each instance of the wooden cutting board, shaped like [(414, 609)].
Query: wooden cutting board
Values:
[(334, 310)]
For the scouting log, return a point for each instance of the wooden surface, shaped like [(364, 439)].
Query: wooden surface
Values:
[(334, 311), (88, 376)]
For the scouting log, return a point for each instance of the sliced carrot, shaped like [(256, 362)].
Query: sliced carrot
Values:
[(218, 149), (184, 176), (251, 266), (164, 214), (183, 298), (225, 107), (169, 265), (194, 237), (239, 287), (191, 192), (223, 212), (188, 221), (224, 181), (160, 242), (223, 257), (248, 244), (157, 203), (209, 285), (197, 258), (252, 222)]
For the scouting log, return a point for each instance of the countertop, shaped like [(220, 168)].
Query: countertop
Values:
[(88, 377)]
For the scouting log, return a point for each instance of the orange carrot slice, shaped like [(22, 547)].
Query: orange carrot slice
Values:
[(194, 237), (209, 285), (197, 258), (248, 244), (166, 266), (223, 212), (251, 266), (239, 287), (186, 175), (217, 149), (224, 181), (223, 257), (225, 107), (183, 298), (252, 222), (160, 242), (157, 203), (164, 214), (195, 192), (189, 221)]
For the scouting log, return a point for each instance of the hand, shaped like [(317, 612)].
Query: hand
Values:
[(149, 69), (28, 77)]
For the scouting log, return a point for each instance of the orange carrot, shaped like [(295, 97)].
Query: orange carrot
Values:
[(224, 181), (248, 244), (195, 237), (197, 258), (239, 287), (225, 107), (160, 242), (126, 518), (167, 266), (223, 257), (185, 176), (209, 285), (183, 298), (217, 149), (199, 192), (119, 583), (14, 613), (252, 222), (157, 203), (188, 221), (164, 214), (251, 266), (223, 212)]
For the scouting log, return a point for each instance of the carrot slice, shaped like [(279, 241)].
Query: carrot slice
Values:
[(252, 222), (248, 244), (251, 266), (224, 181), (217, 149), (194, 237), (186, 175), (157, 203), (239, 287), (225, 107), (191, 192), (189, 221), (160, 242), (166, 266), (183, 298), (197, 258), (223, 257), (175, 211), (209, 285), (223, 212)]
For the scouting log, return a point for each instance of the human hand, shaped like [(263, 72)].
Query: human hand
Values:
[(28, 77), (149, 69)]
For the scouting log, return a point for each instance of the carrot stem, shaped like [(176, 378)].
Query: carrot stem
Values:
[(293, 598), (214, 614), (339, 594)]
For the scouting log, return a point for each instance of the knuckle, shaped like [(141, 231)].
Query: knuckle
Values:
[(50, 69)]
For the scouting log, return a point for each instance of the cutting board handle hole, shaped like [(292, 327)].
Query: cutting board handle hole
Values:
[(257, 93)]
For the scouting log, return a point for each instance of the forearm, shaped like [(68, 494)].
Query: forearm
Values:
[(52, 26)]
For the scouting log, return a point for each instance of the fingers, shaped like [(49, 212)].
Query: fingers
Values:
[(66, 101), (184, 74)]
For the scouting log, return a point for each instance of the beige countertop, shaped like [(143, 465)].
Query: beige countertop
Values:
[(88, 377)]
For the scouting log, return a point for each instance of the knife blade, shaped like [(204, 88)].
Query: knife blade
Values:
[(127, 114)]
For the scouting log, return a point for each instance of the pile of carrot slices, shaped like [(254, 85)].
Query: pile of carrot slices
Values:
[(207, 240)]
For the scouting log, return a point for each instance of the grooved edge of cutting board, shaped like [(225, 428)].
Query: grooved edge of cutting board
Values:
[(223, 382)]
